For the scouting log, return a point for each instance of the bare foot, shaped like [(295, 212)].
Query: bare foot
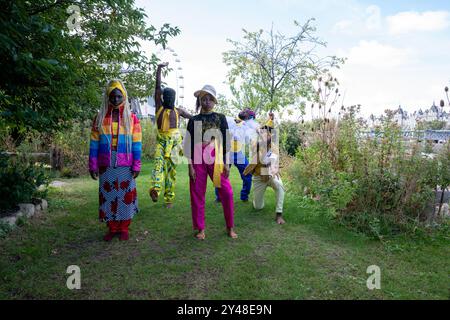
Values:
[(279, 219), (200, 235), (153, 194), (231, 233)]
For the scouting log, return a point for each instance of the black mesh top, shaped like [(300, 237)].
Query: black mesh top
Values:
[(208, 121)]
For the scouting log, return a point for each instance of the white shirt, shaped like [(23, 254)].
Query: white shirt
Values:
[(245, 131), (271, 160)]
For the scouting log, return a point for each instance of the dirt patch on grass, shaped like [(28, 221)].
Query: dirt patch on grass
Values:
[(199, 283)]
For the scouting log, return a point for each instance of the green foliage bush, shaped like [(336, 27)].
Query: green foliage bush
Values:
[(290, 136), (432, 125), (374, 185), (53, 76), (5, 228), (149, 133), (20, 178), (74, 145)]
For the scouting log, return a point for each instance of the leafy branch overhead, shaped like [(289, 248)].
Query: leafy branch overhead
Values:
[(53, 75), (270, 71)]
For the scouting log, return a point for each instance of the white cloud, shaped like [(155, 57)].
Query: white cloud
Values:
[(411, 21), (364, 21), (343, 26), (374, 54), (377, 90), (379, 74)]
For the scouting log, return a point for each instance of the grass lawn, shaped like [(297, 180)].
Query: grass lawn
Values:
[(307, 258)]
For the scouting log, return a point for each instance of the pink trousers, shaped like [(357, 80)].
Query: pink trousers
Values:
[(198, 192)]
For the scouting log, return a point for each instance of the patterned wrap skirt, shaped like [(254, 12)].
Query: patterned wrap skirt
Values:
[(117, 193)]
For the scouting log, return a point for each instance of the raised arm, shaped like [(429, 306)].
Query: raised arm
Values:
[(158, 91)]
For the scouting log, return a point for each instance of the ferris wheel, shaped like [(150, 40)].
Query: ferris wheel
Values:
[(176, 78)]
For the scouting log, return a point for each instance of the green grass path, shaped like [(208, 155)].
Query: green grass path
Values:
[(304, 259)]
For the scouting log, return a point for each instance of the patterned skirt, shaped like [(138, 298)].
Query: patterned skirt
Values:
[(117, 193)]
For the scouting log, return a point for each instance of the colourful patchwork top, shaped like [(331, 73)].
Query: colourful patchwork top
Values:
[(101, 144), (115, 134)]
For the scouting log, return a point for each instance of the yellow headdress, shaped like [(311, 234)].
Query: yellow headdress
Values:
[(116, 85)]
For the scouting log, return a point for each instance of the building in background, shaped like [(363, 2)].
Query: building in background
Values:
[(409, 121), (144, 109)]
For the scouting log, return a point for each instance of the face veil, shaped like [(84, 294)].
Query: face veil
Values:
[(168, 97)]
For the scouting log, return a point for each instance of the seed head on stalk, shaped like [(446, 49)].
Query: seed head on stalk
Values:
[(446, 93)]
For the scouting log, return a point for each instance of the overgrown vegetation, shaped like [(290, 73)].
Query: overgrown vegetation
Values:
[(149, 133), (432, 125), (307, 258), (74, 145), (55, 64), (20, 178), (373, 184), (56, 57), (291, 136)]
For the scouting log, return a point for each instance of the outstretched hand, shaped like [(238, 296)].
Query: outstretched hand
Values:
[(192, 174), (226, 171)]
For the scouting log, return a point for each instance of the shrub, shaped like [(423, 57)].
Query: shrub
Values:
[(372, 184), (290, 136), (149, 133), (20, 178), (73, 143), (5, 228)]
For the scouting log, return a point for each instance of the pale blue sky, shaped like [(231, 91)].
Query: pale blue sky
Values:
[(398, 51)]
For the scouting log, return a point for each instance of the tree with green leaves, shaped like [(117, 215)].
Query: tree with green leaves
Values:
[(225, 106), (270, 71), (56, 56)]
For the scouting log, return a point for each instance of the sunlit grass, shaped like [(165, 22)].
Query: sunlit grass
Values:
[(308, 258)]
